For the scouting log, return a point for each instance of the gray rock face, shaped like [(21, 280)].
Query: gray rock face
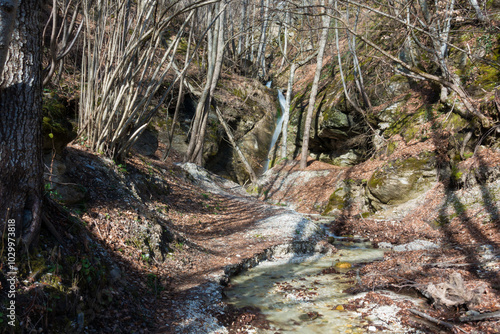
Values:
[(337, 119), (151, 238), (337, 138), (350, 158), (255, 146), (251, 110), (416, 245), (401, 180), (398, 85)]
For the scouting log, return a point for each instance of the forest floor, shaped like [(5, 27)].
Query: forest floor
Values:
[(210, 235)]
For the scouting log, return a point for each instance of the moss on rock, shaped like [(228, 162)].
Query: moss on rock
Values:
[(401, 180)]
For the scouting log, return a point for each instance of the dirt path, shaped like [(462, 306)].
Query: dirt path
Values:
[(247, 231)]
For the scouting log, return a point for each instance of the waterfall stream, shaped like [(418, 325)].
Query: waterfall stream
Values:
[(277, 129)]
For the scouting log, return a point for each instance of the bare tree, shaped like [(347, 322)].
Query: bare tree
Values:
[(230, 136), (261, 59), (430, 33), (479, 12), (63, 34), (288, 99), (180, 95), (215, 52)]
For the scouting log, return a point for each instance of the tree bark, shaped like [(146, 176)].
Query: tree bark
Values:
[(314, 90), (261, 58), (218, 57), (8, 11), (215, 52), (21, 163)]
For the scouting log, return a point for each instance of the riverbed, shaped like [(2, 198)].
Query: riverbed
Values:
[(305, 294)]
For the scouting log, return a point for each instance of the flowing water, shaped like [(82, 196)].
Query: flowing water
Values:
[(277, 129), (303, 294)]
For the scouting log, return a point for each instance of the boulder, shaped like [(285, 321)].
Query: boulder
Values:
[(402, 180), (398, 84), (350, 158)]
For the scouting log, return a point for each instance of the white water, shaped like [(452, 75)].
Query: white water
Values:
[(279, 125)]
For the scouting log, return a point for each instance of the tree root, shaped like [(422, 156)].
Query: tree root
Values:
[(436, 321)]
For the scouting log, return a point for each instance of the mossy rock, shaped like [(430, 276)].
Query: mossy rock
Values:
[(402, 180), (398, 84), (336, 201), (250, 109), (336, 119), (349, 158), (408, 125), (57, 130), (349, 191), (455, 123), (391, 147), (391, 113)]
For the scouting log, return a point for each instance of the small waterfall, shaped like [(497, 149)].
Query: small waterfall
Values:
[(277, 130)]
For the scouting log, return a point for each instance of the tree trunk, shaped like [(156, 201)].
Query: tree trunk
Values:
[(479, 13), (261, 57), (242, 39), (21, 163), (285, 46), (180, 96), (8, 11), (215, 52), (218, 57), (314, 90)]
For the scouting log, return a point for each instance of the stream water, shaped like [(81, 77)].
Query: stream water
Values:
[(303, 294)]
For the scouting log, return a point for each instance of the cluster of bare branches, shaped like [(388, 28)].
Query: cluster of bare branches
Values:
[(65, 25), (420, 51), (131, 61), (129, 53)]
